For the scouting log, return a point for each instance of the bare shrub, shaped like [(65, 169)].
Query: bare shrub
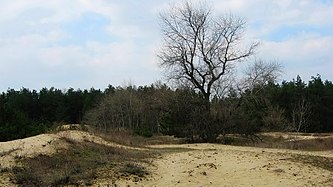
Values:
[(123, 137), (274, 119), (315, 144)]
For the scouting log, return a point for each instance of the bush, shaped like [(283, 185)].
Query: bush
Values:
[(134, 169), (144, 132)]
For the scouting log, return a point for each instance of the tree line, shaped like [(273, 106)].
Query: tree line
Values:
[(27, 112), (157, 109), (288, 106)]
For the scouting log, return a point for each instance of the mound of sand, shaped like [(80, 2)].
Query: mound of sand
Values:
[(45, 144)]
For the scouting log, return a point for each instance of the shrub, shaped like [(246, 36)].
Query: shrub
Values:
[(134, 169), (144, 132)]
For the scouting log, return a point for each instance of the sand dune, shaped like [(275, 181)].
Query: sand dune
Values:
[(203, 165), (45, 144)]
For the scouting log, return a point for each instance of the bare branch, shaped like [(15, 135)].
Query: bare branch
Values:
[(261, 73), (200, 48)]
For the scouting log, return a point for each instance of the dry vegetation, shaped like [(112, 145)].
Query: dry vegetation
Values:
[(80, 164), (81, 161), (293, 141), (317, 161), (128, 138)]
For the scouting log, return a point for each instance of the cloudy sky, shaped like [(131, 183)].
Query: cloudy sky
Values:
[(93, 43)]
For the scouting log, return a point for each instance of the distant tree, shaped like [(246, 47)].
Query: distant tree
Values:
[(259, 74), (301, 115), (328, 106), (320, 95), (25, 113)]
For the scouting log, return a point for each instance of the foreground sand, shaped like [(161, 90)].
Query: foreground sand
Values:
[(220, 165), (202, 165)]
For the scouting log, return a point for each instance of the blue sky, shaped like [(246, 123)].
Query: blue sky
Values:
[(85, 43)]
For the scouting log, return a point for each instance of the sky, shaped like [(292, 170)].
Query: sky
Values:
[(94, 43)]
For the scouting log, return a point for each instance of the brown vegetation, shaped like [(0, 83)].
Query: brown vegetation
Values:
[(294, 141), (80, 164), (128, 138)]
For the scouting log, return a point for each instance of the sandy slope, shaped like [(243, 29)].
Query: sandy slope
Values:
[(42, 144), (220, 165)]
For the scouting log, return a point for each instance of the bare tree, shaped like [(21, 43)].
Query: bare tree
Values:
[(259, 74), (300, 115), (274, 119), (201, 49)]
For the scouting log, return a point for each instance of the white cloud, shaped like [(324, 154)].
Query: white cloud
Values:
[(35, 50), (296, 33), (305, 55)]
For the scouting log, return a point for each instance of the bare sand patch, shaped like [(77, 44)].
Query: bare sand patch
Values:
[(220, 165)]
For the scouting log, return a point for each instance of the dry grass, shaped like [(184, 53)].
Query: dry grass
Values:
[(80, 164), (317, 143), (317, 161), (128, 138), (122, 137)]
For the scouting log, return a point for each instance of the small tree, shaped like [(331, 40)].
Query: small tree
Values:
[(300, 115)]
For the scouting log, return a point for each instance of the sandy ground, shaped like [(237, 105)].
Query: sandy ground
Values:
[(220, 165), (203, 165)]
